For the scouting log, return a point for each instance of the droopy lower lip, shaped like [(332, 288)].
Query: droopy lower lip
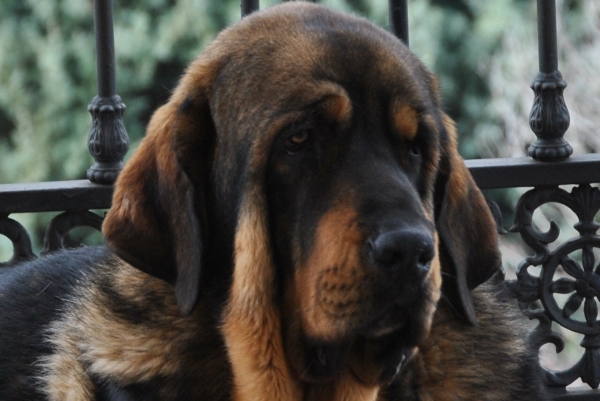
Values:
[(379, 360), (391, 320), (386, 374)]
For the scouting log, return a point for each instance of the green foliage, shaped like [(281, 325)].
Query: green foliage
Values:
[(47, 67), (47, 75), (455, 38)]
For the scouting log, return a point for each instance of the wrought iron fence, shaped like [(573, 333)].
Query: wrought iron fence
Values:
[(548, 166)]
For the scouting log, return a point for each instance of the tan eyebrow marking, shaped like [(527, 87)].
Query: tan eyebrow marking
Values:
[(406, 121), (337, 107)]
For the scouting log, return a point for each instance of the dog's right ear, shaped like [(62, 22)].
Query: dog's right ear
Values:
[(469, 251), (157, 217)]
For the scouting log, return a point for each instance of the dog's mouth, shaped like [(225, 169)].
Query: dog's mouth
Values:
[(376, 354), (393, 319), (377, 360), (371, 361)]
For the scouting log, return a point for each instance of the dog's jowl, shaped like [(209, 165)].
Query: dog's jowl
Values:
[(296, 225)]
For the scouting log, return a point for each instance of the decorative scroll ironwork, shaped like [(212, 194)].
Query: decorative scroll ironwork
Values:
[(21, 241), (579, 276), (63, 223), (55, 233)]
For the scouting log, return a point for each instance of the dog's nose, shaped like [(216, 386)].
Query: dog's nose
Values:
[(403, 250)]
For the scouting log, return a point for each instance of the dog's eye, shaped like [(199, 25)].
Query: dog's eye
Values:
[(297, 141)]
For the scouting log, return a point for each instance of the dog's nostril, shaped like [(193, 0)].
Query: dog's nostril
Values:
[(383, 253), (410, 249)]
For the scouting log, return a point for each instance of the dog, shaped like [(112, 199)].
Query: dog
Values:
[(297, 224)]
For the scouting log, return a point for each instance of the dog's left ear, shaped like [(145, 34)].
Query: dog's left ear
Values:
[(469, 252), (156, 219)]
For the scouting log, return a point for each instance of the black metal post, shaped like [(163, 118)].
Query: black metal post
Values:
[(398, 15), (249, 6), (108, 141), (549, 117), (547, 45)]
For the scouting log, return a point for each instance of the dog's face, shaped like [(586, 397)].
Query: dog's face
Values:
[(310, 143), (350, 201), (349, 184)]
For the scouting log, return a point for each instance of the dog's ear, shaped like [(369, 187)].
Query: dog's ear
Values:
[(156, 217), (469, 251)]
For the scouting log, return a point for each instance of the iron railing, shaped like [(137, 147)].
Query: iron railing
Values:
[(549, 166)]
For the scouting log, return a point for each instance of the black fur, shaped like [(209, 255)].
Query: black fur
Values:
[(32, 296)]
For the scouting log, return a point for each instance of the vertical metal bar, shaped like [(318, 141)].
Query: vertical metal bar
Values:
[(107, 140), (398, 16), (249, 6), (549, 118), (547, 45), (105, 49)]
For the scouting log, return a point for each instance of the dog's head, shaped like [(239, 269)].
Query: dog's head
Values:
[(312, 144)]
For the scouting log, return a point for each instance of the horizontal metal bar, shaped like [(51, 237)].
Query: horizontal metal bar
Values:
[(577, 394), (488, 173), (54, 196), (526, 172)]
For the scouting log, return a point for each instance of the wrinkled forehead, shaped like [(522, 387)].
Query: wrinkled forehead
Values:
[(277, 64), (288, 55)]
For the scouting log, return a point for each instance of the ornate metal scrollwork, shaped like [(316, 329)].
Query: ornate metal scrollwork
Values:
[(17, 234), (55, 233), (63, 223), (579, 277)]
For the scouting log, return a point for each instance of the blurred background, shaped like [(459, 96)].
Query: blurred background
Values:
[(485, 53)]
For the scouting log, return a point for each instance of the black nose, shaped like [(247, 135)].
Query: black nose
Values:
[(407, 250)]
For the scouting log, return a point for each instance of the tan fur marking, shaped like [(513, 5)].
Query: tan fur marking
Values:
[(460, 179), (251, 324), (66, 378), (406, 121), (92, 340), (435, 284), (331, 284), (338, 107), (435, 274), (432, 162)]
